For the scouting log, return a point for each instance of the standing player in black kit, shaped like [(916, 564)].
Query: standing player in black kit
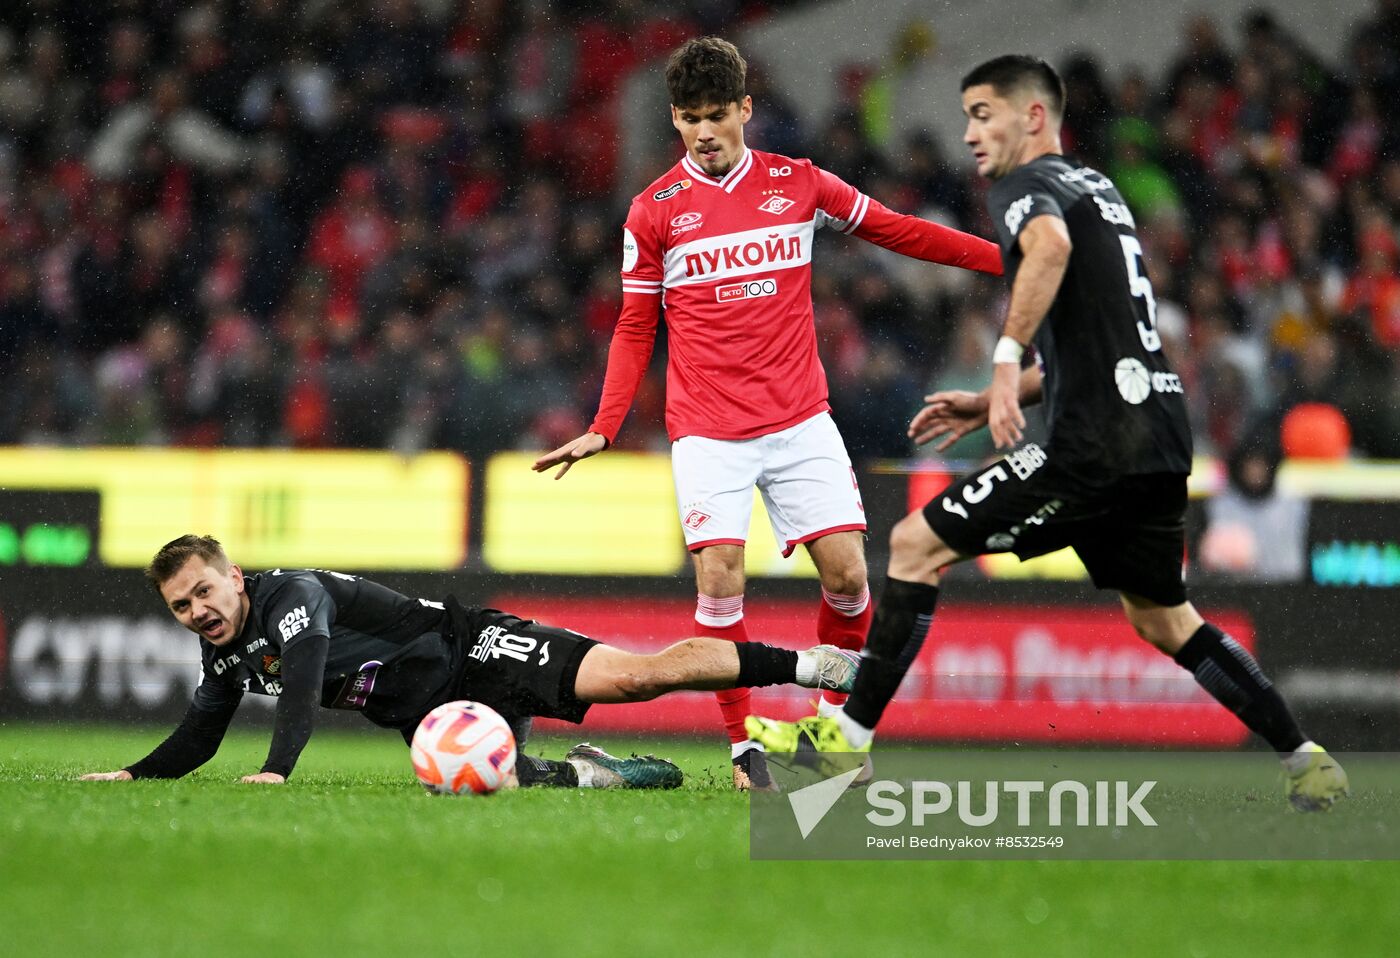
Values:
[(309, 637), (1111, 482)]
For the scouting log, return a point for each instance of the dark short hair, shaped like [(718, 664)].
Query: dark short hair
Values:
[(1017, 71), (172, 556), (705, 71)]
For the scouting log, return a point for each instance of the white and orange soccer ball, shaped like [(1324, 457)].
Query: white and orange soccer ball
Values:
[(463, 748)]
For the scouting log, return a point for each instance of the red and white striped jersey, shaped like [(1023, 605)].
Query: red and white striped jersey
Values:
[(730, 259)]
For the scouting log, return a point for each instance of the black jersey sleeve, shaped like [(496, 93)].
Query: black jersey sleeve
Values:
[(195, 739), (1015, 200), (303, 666), (299, 612)]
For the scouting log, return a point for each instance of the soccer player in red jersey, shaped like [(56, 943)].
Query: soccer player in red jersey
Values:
[(724, 241)]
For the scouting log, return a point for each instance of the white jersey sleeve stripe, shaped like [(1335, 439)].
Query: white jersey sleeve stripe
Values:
[(857, 213)]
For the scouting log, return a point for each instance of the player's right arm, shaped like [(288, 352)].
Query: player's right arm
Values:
[(954, 413), (633, 340), (195, 739), (1045, 249)]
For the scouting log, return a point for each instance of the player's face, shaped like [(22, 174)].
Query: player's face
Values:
[(996, 130), (207, 600), (713, 135)]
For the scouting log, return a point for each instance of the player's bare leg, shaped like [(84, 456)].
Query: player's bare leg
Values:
[(844, 618), (609, 675), (901, 622), (719, 613), (1225, 669)]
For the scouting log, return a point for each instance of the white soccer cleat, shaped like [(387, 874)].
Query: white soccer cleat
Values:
[(835, 668)]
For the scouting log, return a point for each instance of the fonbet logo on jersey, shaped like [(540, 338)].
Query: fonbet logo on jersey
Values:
[(750, 290)]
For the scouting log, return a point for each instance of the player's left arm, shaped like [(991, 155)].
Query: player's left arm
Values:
[(1045, 249), (858, 215), (305, 645)]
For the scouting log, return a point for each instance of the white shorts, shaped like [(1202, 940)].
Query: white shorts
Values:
[(802, 472)]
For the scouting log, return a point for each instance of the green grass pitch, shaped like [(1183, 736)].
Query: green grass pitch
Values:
[(353, 858)]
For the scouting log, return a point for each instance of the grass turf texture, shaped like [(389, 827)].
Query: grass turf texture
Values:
[(354, 858)]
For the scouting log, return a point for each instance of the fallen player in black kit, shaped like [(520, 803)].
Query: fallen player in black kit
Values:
[(309, 636)]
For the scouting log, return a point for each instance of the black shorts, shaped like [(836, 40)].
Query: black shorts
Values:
[(518, 667), (1130, 532)]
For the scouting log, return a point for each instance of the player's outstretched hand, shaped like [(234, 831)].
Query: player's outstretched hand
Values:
[(263, 778), (120, 775), (1004, 415), (589, 444), (951, 414)]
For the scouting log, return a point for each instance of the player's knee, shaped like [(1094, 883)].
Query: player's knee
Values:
[(719, 576), (911, 538), (847, 580)]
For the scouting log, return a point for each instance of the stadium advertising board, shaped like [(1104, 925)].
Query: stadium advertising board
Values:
[(1015, 661), (996, 672), (615, 515), (1354, 544), (48, 528), (273, 507)]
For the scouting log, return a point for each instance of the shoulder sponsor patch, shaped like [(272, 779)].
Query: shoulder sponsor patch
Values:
[(629, 251), (671, 190)]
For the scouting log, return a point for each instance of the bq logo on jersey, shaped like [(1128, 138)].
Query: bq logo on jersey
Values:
[(750, 290), (671, 190)]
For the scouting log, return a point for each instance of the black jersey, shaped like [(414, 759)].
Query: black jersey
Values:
[(313, 636), (387, 655), (1112, 405)]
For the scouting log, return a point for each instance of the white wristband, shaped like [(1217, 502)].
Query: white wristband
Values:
[(1008, 351)]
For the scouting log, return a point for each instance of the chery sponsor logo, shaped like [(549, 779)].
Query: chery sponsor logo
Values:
[(686, 222), (753, 289)]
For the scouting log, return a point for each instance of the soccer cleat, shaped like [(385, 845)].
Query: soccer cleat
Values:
[(597, 769), (1319, 782), (835, 668), (751, 772), (807, 740)]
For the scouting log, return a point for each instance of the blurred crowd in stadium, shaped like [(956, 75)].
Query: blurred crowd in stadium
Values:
[(386, 223)]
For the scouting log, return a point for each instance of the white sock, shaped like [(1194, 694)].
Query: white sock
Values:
[(806, 670), (828, 709), (739, 748), (858, 735), (585, 772), (1297, 763)]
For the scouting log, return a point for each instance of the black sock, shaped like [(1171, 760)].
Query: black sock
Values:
[(535, 772), (901, 622), (1226, 670), (761, 664)]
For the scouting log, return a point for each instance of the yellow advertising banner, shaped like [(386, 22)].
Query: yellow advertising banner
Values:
[(344, 510), (612, 515)]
